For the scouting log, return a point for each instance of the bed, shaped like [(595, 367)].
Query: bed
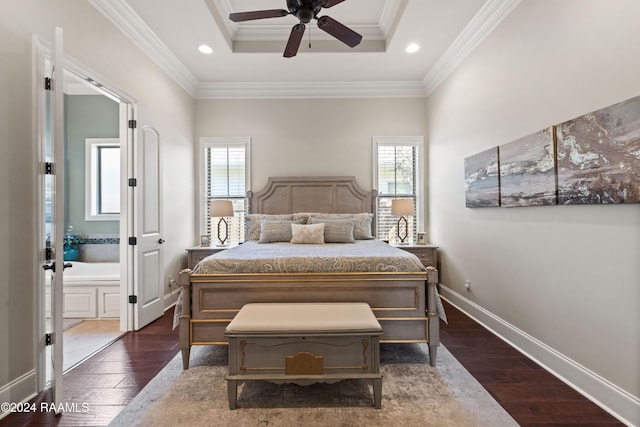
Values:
[(403, 297)]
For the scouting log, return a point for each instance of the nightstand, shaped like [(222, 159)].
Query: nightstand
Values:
[(428, 254), (197, 253)]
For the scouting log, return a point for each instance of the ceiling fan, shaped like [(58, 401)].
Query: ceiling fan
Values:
[(305, 11)]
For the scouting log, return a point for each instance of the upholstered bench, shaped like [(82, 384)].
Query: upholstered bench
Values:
[(304, 343)]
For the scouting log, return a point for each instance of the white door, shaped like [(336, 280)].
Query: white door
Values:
[(52, 191), (148, 297)]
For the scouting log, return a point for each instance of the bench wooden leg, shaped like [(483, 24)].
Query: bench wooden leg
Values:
[(433, 355), (185, 358), (377, 392), (232, 391)]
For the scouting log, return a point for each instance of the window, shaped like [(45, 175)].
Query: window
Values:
[(102, 171), (398, 174), (224, 175)]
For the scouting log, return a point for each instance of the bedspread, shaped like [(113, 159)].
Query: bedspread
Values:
[(361, 256)]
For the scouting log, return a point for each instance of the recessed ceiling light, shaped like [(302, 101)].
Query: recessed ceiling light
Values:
[(412, 48), (206, 49)]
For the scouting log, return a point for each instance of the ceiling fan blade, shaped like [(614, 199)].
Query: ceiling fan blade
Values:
[(331, 3), (345, 34), (259, 14), (294, 40)]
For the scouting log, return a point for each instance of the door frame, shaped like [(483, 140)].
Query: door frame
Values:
[(42, 50)]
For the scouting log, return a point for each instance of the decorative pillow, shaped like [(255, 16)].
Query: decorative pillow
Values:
[(303, 217), (311, 233), (336, 230), (361, 223), (275, 231), (362, 226), (253, 223)]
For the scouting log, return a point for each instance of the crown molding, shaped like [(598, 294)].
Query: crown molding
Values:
[(131, 25), (294, 90), (492, 13), (391, 14)]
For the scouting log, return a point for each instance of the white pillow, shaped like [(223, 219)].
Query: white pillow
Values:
[(311, 233)]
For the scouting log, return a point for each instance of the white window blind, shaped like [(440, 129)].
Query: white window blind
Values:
[(102, 185), (225, 176), (397, 176), (108, 180)]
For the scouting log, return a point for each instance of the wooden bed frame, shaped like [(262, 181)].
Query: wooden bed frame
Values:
[(399, 300)]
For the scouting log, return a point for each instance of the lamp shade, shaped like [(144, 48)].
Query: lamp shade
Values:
[(220, 208), (402, 207)]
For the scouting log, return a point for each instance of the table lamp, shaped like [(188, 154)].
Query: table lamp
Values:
[(402, 208), (221, 209)]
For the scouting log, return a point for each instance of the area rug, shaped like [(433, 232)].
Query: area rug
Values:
[(413, 394)]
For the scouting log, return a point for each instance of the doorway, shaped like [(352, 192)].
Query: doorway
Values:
[(91, 315), (139, 298), (94, 287)]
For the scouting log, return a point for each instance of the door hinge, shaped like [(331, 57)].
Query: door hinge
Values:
[(133, 241), (48, 83), (133, 124), (48, 168), (133, 299), (48, 339), (133, 182)]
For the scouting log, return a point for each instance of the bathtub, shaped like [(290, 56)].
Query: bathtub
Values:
[(91, 272), (91, 290)]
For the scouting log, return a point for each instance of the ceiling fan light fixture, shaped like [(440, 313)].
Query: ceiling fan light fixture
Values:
[(205, 49), (305, 11), (412, 48)]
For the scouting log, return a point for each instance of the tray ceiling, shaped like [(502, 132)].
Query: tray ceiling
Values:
[(247, 57)]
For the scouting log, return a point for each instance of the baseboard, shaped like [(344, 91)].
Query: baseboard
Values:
[(21, 389), (619, 403), (171, 298)]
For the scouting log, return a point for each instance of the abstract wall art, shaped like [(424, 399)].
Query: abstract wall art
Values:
[(599, 156), (482, 180), (527, 170), (592, 159)]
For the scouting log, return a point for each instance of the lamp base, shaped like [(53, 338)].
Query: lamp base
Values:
[(402, 231), (223, 241)]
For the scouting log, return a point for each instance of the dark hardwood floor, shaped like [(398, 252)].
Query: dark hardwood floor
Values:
[(108, 381), (531, 395)]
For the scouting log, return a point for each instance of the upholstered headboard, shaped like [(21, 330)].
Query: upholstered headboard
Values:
[(324, 194)]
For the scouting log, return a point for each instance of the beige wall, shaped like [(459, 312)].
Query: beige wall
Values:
[(95, 43), (311, 137), (568, 276), (16, 192)]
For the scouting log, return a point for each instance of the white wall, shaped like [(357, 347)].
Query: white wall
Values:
[(311, 137), (99, 46), (568, 276)]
